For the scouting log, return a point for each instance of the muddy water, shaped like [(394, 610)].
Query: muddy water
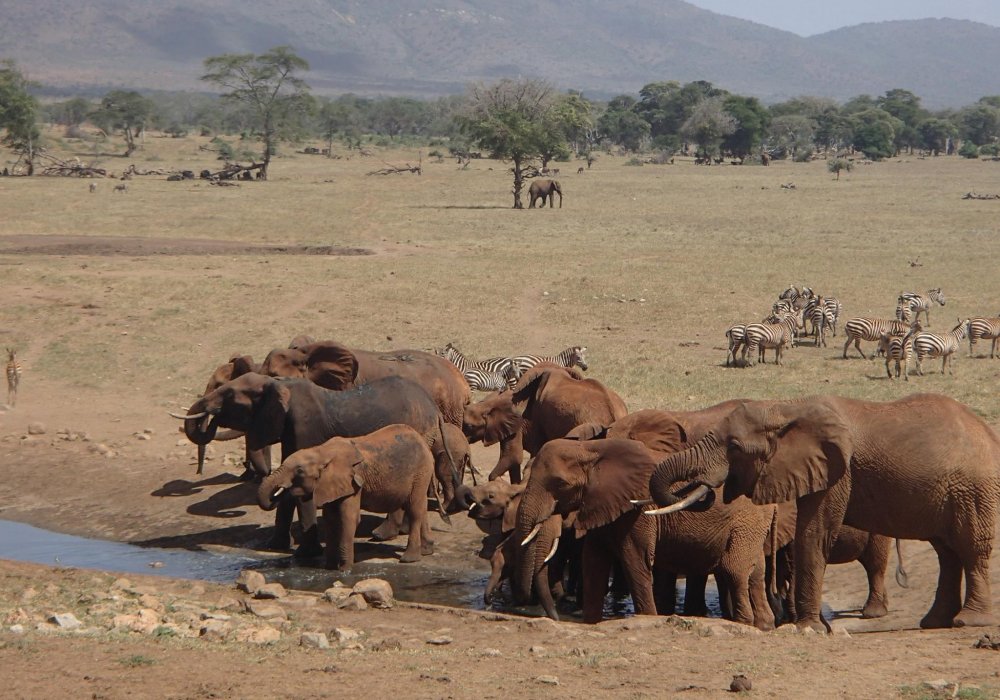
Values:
[(453, 587)]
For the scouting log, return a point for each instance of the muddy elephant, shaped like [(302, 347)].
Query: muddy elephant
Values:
[(924, 467), (384, 471), (334, 366), (545, 189), (547, 402), (298, 413)]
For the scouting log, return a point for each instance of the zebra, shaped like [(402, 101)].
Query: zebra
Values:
[(13, 377), (821, 318), (984, 328), (760, 336), (481, 376), (736, 334), (575, 356), (835, 308), (864, 328), (927, 344), (898, 348), (912, 303)]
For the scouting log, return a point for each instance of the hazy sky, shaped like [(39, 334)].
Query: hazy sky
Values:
[(806, 17)]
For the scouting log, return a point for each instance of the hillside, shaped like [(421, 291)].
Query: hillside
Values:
[(410, 47)]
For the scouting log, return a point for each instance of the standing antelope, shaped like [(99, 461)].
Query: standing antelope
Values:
[(13, 377)]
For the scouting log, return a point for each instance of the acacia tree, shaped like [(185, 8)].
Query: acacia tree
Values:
[(709, 124), (126, 111), (18, 115), (268, 86), (512, 120)]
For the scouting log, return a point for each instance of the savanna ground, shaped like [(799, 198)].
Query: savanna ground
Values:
[(120, 305)]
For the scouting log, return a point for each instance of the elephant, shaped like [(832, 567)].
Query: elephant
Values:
[(547, 402), (298, 413), (545, 189), (924, 467), (384, 471)]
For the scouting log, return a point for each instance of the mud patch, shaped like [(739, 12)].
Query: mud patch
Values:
[(132, 246)]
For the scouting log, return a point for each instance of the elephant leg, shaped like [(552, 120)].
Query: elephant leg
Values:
[(340, 549), (977, 609), (391, 527), (639, 575), (694, 595), (763, 614), (310, 546), (737, 583), (820, 515), (416, 509), (596, 571), (875, 559), (725, 596), (948, 598), (284, 513), (665, 592)]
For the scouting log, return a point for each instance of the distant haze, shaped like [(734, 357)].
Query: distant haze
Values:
[(808, 17)]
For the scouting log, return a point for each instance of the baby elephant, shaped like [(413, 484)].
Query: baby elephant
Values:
[(382, 472)]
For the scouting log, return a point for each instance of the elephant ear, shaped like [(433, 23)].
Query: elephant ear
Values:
[(269, 413), (621, 473), (811, 447), (530, 387), (340, 478), (588, 431), (284, 362), (331, 365), (502, 420), (242, 364), (509, 521), (657, 430)]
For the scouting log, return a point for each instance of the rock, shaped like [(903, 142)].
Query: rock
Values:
[(337, 594), (536, 622), (377, 592), (314, 640), (66, 621), (183, 442), (740, 684), (16, 629), (988, 641), (354, 602), (150, 601), (215, 629), (345, 634), (490, 652), (250, 581), (537, 650), (548, 680), (271, 591), (120, 584), (391, 644), (258, 635), (36, 428), (266, 611), (440, 641), (939, 684)]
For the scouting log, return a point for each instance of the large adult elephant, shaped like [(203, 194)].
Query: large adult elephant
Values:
[(924, 467), (298, 413), (547, 402), (545, 189)]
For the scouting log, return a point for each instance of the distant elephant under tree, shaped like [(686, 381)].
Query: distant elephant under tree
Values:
[(545, 189)]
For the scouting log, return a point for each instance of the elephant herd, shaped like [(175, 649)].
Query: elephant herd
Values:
[(763, 495)]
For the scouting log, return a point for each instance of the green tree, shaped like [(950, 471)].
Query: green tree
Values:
[(574, 115), (18, 115), (708, 125), (752, 120), (69, 113), (126, 111), (934, 134), (622, 125), (835, 165), (793, 133), (904, 106), (875, 133), (512, 120), (969, 150), (268, 86), (979, 123)]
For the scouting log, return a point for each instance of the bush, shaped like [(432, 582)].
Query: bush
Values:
[(835, 165), (634, 160), (225, 149), (990, 149), (969, 150)]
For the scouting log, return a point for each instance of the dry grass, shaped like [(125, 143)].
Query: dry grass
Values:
[(703, 247)]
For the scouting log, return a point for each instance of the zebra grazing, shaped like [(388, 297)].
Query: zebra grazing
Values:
[(984, 329), (927, 344), (13, 377), (575, 356), (911, 303), (863, 328), (821, 318), (760, 336), (481, 376), (898, 349)]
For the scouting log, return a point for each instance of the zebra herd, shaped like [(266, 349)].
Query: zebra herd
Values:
[(801, 313), (499, 373)]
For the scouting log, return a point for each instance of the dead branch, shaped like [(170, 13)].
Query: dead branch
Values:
[(233, 171), (974, 195), (53, 166), (397, 169)]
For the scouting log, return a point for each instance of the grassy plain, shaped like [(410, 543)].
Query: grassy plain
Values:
[(646, 266)]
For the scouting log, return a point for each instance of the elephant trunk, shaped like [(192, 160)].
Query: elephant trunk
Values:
[(703, 462), (201, 426), (531, 540), (272, 487), (463, 500)]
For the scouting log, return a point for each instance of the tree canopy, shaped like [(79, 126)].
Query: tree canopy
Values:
[(18, 114), (126, 111)]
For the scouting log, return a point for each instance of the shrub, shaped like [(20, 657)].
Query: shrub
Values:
[(969, 150), (837, 164), (990, 149), (634, 160)]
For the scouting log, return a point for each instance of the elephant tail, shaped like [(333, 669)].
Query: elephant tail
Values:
[(902, 578)]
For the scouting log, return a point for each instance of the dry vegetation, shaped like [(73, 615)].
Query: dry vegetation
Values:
[(646, 266)]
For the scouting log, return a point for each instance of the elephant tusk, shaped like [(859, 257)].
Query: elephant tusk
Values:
[(693, 497), (532, 535), (191, 416), (642, 502), (472, 505), (277, 492), (552, 552)]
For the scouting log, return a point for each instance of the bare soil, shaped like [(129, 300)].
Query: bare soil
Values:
[(133, 246)]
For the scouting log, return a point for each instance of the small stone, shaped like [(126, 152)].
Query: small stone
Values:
[(440, 641), (36, 428), (16, 629), (537, 650), (148, 431), (548, 680), (215, 629), (259, 635), (740, 684), (314, 640), (250, 581), (271, 591), (536, 622), (155, 565), (266, 611), (183, 442), (354, 602), (337, 594), (66, 621), (345, 634), (377, 592)]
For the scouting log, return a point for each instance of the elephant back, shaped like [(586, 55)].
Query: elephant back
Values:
[(439, 377)]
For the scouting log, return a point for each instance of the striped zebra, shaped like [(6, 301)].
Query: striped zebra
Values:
[(898, 349), (736, 334), (911, 303), (575, 356), (13, 377), (984, 329), (821, 318), (488, 375), (761, 336), (927, 344), (864, 328)]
